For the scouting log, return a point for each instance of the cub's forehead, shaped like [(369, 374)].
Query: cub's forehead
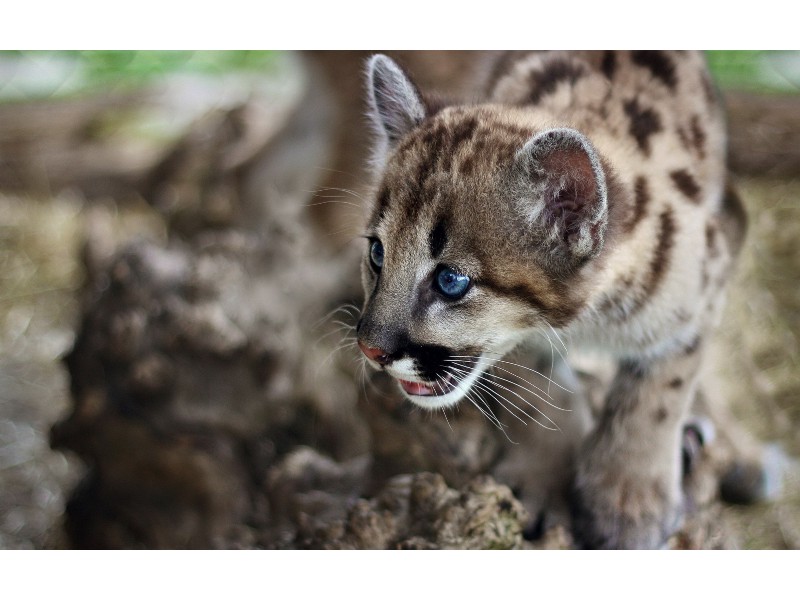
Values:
[(452, 141), (450, 161)]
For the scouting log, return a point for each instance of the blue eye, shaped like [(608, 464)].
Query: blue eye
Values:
[(452, 284), (376, 254)]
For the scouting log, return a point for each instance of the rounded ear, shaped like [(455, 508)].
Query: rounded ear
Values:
[(565, 191), (395, 104)]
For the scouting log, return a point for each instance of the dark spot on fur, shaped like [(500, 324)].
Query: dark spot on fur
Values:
[(708, 89), (698, 137), (659, 64), (520, 291), (558, 308), (467, 165), (641, 198), (383, 202), (514, 133), (546, 81), (692, 346), (684, 138), (686, 184), (660, 415), (632, 369), (437, 239), (609, 63), (682, 316), (659, 263), (675, 383), (644, 122), (433, 142), (616, 301), (710, 234), (704, 276), (504, 505), (462, 132), (424, 171)]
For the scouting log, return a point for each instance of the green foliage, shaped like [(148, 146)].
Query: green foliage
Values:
[(140, 66), (31, 74), (756, 70)]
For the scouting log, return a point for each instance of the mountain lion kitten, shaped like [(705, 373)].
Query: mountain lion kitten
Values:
[(583, 196)]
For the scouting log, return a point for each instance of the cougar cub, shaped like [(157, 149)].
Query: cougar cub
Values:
[(582, 195)]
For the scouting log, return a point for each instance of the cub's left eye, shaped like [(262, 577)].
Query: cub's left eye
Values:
[(376, 254), (451, 284)]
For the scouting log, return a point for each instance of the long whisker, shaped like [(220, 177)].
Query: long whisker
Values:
[(495, 366), (446, 419), (346, 308), (558, 337), (347, 229), (505, 401), (333, 200), (440, 379), (488, 390), (491, 417), (347, 342), (502, 402), (533, 406), (487, 412), (552, 362), (497, 360), (499, 368), (364, 376), (367, 381), (335, 171), (527, 389), (336, 189), (335, 331), (343, 324)]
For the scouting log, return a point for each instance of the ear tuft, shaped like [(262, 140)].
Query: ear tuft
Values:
[(395, 104), (565, 192)]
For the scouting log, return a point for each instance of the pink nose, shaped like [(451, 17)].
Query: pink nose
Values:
[(376, 354)]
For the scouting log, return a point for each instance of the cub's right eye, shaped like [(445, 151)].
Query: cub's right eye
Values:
[(376, 254)]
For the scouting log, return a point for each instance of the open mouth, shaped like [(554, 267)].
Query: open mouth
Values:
[(449, 381), (444, 385)]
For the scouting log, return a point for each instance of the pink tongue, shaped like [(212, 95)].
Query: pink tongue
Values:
[(416, 389)]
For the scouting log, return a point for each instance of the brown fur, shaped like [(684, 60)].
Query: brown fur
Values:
[(583, 194)]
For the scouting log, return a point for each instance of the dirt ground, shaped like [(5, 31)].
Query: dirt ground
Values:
[(756, 355)]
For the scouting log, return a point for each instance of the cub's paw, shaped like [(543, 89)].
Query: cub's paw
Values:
[(626, 513)]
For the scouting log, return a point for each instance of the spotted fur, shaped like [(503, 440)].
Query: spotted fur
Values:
[(582, 193)]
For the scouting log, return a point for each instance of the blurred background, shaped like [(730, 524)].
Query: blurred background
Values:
[(122, 146), (68, 120)]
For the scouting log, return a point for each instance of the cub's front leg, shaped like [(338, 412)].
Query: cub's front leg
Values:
[(627, 490)]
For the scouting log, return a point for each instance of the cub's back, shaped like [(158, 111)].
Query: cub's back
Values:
[(655, 111)]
